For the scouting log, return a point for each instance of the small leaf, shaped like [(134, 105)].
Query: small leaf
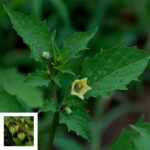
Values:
[(56, 79), (34, 33), (113, 69), (65, 69), (54, 47), (9, 103), (38, 78), (77, 121), (72, 101), (49, 106), (17, 141), (75, 44)]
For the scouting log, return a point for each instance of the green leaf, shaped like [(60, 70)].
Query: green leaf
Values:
[(137, 138), (17, 141), (65, 69), (56, 79), (113, 69), (12, 81), (9, 103), (64, 80), (49, 106), (75, 44), (39, 78), (142, 139), (72, 101), (54, 47), (29, 143), (34, 33), (77, 121)]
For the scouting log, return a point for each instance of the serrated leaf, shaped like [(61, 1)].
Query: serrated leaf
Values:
[(49, 106), (113, 69), (9, 103), (77, 121), (137, 138), (38, 78), (12, 81), (34, 32), (75, 44)]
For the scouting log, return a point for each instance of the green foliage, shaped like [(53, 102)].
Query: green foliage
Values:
[(34, 33), (72, 46), (72, 101), (19, 131), (67, 143), (137, 138), (109, 70), (142, 140), (39, 78), (65, 69), (9, 103), (49, 106), (12, 81), (77, 121), (61, 10), (113, 69)]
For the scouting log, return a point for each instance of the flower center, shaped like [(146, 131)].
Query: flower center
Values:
[(78, 87)]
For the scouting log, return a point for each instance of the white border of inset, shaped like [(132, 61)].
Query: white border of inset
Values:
[(2, 147)]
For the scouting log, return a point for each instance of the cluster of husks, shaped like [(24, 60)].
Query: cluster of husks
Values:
[(18, 131)]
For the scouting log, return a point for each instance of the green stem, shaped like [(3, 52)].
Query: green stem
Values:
[(96, 126), (53, 131), (54, 122)]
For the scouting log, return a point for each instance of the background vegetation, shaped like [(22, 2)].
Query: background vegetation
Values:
[(118, 21), (18, 131)]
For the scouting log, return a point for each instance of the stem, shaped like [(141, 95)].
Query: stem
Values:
[(54, 122), (54, 91), (53, 131)]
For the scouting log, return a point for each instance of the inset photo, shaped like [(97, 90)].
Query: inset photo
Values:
[(18, 131)]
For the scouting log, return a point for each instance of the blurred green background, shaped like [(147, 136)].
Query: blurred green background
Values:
[(126, 21)]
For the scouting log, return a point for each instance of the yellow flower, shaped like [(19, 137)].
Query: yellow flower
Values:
[(80, 87)]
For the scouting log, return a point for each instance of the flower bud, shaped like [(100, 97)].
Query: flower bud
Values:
[(21, 136), (68, 110), (45, 55), (12, 129)]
